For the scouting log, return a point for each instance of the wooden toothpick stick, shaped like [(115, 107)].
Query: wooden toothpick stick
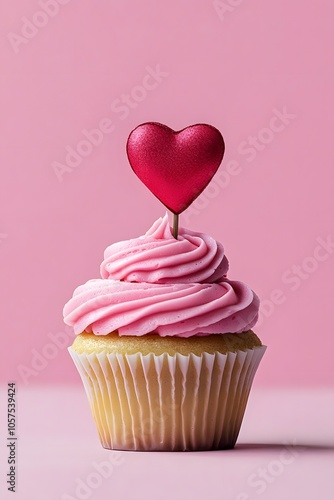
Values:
[(175, 225)]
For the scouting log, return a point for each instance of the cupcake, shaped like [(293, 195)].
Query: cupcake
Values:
[(164, 343)]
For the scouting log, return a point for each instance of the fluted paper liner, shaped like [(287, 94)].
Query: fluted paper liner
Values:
[(150, 402)]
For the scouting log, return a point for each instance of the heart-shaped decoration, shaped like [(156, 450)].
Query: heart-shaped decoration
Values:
[(175, 166)]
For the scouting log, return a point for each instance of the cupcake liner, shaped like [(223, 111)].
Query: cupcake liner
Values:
[(150, 402)]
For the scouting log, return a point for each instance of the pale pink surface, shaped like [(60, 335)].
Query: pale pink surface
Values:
[(265, 70), (285, 450), (159, 284)]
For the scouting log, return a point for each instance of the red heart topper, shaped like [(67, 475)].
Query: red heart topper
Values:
[(175, 166)]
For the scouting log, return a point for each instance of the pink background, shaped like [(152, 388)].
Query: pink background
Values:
[(270, 204), (238, 68)]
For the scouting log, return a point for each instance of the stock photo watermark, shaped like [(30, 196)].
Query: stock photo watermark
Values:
[(39, 360), (121, 107), (248, 149), (31, 27), (225, 7), (11, 475), (294, 276), (85, 487), (264, 476)]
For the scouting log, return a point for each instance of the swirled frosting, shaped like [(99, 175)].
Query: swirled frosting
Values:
[(159, 284), (157, 257)]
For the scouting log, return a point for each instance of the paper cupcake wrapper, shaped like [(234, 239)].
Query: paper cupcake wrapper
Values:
[(150, 402)]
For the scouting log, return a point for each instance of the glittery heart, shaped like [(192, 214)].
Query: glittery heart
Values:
[(175, 166)]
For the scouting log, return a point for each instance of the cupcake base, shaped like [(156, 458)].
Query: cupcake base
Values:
[(168, 402)]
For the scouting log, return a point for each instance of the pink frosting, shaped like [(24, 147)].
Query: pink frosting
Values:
[(157, 257), (157, 284)]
